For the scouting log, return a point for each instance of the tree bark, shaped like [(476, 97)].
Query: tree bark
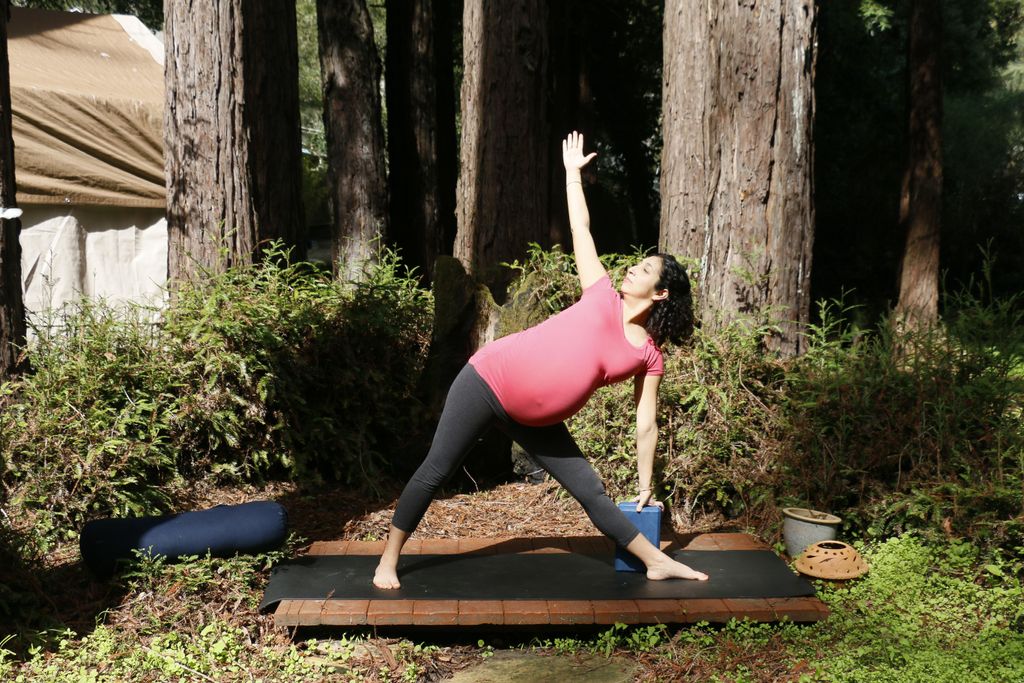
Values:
[(356, 177), (12, 307), (421, 131), (233, 148), (736, 183), (503, 199), (921, 200)]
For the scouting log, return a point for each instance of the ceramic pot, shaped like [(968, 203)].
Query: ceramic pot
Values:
[(802, 527), (831, 560)]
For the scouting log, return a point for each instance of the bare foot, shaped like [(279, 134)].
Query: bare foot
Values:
[(670, 569), (386, 577)]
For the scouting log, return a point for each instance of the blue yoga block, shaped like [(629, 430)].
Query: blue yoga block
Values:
[(648, 521), (222, 531)]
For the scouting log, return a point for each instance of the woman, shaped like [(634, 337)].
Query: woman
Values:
[(528, 383)]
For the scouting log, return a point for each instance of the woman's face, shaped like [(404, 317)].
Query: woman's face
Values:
[(642, 279)]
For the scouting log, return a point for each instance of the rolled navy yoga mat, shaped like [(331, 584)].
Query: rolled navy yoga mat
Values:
[(221, 531)]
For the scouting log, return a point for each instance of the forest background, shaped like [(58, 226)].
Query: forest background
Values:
[(860, 130), (268, 368)]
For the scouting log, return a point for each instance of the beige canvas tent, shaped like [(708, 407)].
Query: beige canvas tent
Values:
[(87, 106)]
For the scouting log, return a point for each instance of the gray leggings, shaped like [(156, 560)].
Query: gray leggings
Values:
[(471, 407)]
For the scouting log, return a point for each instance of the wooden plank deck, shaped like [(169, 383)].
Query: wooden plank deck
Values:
[(292, 613)]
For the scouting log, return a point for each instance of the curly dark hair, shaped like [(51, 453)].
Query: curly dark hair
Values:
[(671, 319)]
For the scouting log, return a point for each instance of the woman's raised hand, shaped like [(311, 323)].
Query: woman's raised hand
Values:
[(572, 152)]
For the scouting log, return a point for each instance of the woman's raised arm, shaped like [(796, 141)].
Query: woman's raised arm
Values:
[(588, 265)]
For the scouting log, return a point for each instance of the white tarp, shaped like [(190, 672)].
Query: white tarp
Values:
[(115, 254)]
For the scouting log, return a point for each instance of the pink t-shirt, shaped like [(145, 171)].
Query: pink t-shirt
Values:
[(545, 374)]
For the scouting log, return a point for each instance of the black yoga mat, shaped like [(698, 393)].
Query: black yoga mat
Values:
[(533, 576)]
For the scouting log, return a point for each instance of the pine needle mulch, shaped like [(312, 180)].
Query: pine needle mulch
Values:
[(505, 510), (72, 598), (513, 509)]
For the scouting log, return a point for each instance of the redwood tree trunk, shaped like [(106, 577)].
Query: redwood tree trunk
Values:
[(502, 197), (355, 137), (921, 204), (231, 132), (12, 308), (736, 183), (421, 131)]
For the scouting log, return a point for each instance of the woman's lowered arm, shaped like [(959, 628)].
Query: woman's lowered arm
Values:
[(646, 396)]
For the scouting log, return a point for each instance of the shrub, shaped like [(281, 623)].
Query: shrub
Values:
[(272, 370), (916, 429), (88, 430), (919, 429), (718, 405), (278, 370), (291, 372), (718, 428)]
